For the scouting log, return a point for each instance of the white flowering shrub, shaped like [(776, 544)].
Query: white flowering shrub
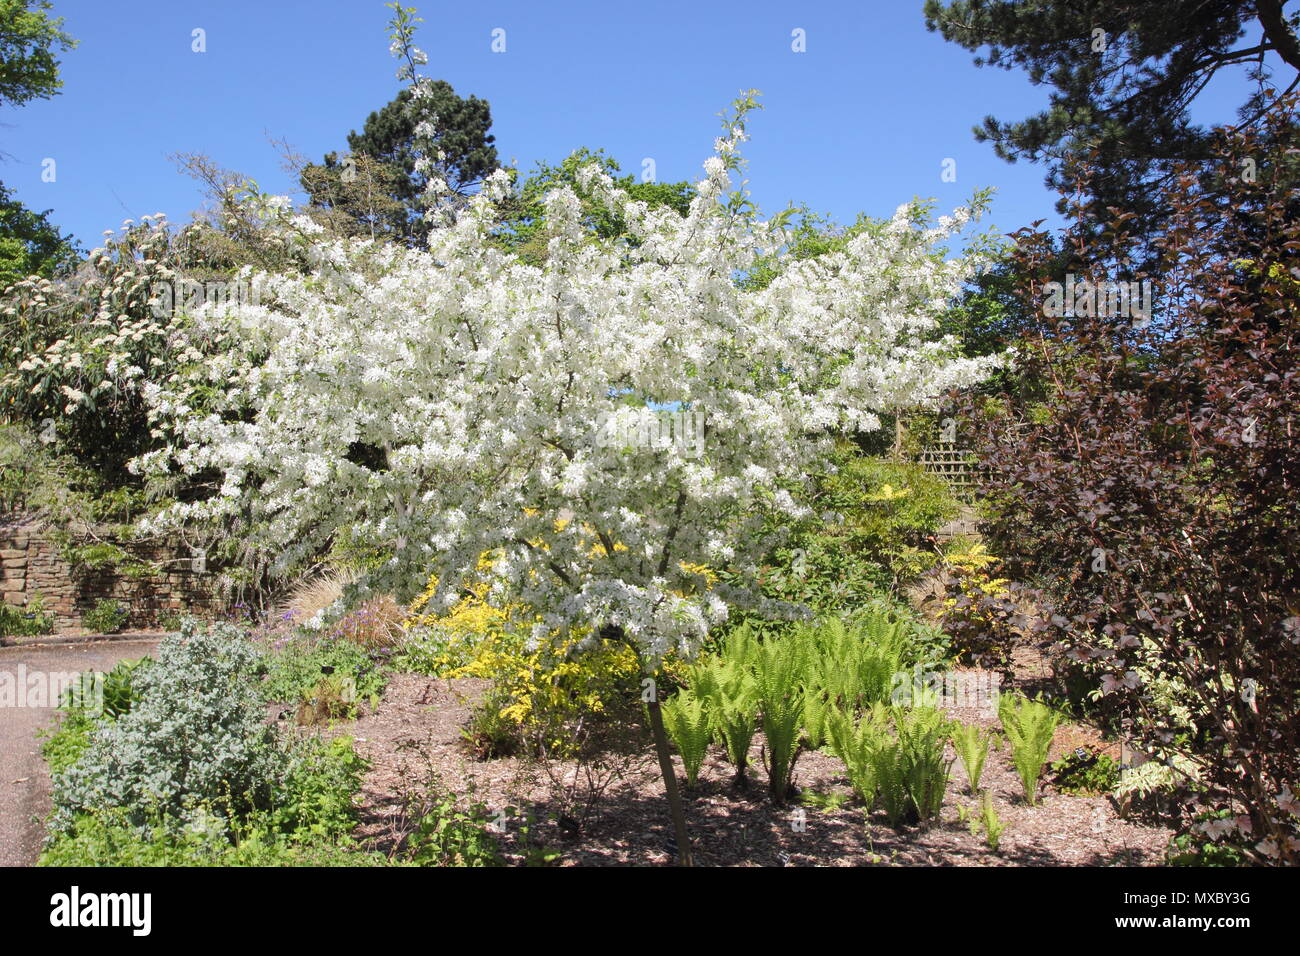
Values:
[(433, 406)]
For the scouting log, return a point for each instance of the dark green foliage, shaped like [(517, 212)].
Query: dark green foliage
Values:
[(1085, 772), (108, 616), (30, 244), (29, 620), (1122, 99), (29, 41), (879, 540), (388, 138)]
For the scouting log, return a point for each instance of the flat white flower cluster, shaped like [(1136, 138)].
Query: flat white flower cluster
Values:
[(476, 383)]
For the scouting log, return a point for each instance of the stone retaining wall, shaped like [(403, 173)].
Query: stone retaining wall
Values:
[(30, 562)]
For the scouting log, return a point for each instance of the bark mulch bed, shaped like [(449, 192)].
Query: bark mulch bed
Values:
[(611, 811)]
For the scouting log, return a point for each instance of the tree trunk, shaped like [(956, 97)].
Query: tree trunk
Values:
[(670, 781)]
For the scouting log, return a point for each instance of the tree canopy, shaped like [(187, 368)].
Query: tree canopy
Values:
[(1123, 76)]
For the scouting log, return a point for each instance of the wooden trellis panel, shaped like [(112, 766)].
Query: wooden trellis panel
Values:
[(952, 463)]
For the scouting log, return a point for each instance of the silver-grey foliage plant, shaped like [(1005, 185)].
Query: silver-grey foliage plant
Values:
[(196, 739)]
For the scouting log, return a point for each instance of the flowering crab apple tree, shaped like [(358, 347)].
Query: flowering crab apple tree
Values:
[(438, 405)]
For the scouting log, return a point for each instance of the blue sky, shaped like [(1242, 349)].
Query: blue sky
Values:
[(861, 121)]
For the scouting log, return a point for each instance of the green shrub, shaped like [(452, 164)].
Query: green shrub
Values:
[(110, 694), (923, 737), (108, 616), (28, 621), (1085, 772), (886, 511), (316, 800), (448, 835), (1030, 726), (300, 672)]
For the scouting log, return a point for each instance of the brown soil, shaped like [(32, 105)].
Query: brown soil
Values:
[(612, 812)]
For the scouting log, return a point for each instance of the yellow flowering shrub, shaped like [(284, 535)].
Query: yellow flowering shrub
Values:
[(978, 608), (537, 692)]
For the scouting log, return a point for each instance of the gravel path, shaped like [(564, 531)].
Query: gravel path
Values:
[(24, 783)]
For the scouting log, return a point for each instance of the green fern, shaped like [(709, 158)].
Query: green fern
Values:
[(687, 722), (849, 665), (855, 744), (993, 826), (1030, 726), (972, 745), (923, 735), (727, 689), (887, 764), (779, 669)]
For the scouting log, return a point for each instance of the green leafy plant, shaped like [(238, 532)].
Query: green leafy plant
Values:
[(993, 825), (850, 664), (779, 669), (726, 686), (296, 667), (28, 621), (1084, 771), (896, 755), (196, 734), (489, 734), (111, 694), (923, 736), (108, 616), (1030, 726), (972, 745), (827, 802), (449, 835), (856, 744), (688, 724)]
